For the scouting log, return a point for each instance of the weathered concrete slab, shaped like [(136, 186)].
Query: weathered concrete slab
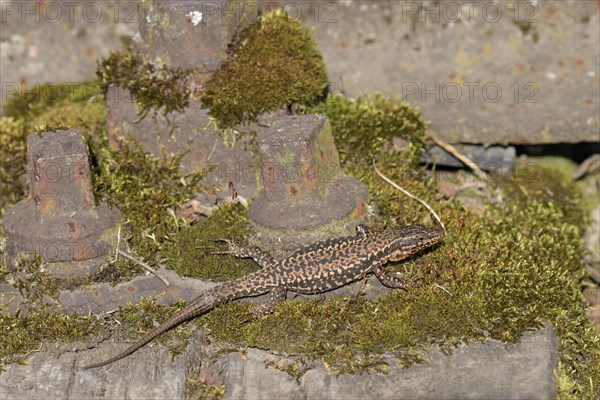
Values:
[(490, 370), (482, 72), (250, 377), (59, 376)]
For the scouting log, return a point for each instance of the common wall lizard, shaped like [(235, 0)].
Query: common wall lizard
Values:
[(315, 268)]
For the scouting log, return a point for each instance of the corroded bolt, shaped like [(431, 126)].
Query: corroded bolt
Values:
[(302, 185), (59, 220), (192, 34)]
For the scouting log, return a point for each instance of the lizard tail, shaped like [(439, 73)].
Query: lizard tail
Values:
[(200, 305)]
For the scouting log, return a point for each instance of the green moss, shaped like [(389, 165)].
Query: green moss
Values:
[(135, 319), (27, 331), (30, 279), (275, 62), (190, 256), (153, 85), (23, 334), (528, 28), (78, 106), (148, 191), (196, 389), (361, 128), (13, 152)]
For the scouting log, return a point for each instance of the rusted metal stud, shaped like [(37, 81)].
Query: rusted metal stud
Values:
[(304, 194), (59, 220)]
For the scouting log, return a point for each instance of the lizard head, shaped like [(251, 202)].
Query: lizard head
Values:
[(409, 240)]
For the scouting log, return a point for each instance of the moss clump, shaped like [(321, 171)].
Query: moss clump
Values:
[(153, 85), (77, 106), (30, 279), (13, 152), (361, 128), (147, 190), (196, 389), (190, 256), (41, 323), (145, 315), (23, 334), (275, 62)]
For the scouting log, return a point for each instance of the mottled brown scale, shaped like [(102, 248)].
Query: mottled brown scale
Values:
[(316, 268)]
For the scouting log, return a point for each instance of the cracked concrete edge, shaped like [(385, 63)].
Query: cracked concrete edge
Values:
[(490, 369), (154, 373)]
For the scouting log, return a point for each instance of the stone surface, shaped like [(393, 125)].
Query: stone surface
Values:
[(490, 370), (491, 158), (482, 72), (248, 376), (59, 220), (59, 376), (58, 41)]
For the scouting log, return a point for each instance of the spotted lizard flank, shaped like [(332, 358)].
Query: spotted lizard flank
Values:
[(316, 268)]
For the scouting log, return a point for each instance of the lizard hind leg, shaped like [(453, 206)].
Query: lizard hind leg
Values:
[(277, 297), (263, 259)]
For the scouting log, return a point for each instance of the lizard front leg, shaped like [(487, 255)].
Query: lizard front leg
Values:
[(389, 280), (263, 259)]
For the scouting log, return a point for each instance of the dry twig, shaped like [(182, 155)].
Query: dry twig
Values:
[(394, 184), (464, 159), (144, 265)]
